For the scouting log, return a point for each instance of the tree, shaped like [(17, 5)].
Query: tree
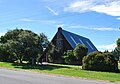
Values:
[(5, 53), (31, 46), (75, 56), (53, 53), (116, 51), (79, 52), (16, 49), (118, 42), (69, 57), (24, 44), (43, 40)]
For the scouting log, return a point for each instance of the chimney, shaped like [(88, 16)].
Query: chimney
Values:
[(59, 29)]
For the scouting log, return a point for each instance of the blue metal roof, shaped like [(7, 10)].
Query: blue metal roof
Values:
[(74, 39)]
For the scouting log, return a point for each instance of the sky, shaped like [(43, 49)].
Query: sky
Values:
[(98, 20)]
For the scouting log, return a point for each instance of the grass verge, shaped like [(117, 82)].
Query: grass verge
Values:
[(66, 70)]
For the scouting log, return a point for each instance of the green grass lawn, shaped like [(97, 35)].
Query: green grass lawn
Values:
[(66, 70)]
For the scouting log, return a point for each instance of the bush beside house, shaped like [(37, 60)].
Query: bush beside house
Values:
[(75, 56), (116, 51), (70, 58), (100, 61)]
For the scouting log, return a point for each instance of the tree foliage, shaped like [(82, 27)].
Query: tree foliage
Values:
[(79, 52), (75, 56), (118, 42), (100, 61), (70, 58), (5, 53), (53, 53), (116, 51), (23, 44)]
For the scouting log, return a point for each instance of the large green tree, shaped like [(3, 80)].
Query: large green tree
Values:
[(24, 44)]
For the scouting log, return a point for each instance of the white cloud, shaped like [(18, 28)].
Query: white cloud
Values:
[(51, 10), (118, 18), (105, 29), (92, 28), (41, 21), (48, 21), (61, 25), (1, 34), (109, 7), (77, 26), (112, 8), (109, 47), (79, 6)]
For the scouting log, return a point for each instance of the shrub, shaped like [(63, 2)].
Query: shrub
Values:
[(116, 51), (100, 61), (79, 52), (53, 56), (69, 57), (75, 56)]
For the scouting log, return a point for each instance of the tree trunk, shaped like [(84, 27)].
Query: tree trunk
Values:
[(20, 59), (33, 61)]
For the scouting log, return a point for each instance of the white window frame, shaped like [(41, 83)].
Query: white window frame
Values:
[(73, 40), (89, 45)]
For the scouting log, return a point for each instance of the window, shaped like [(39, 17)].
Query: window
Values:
[(73, 40), (81, 41), (89, 45)]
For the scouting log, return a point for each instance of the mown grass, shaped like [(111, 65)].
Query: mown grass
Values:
[(66, 70)]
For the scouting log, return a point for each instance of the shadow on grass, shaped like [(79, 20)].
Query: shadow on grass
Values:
[(46, 67), (37, 67)]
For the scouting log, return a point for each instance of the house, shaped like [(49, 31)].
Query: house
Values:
[(64, 41)]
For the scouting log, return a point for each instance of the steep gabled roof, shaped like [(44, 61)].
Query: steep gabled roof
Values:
[(74, 39)]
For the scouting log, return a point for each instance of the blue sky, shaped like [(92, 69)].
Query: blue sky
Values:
[(98, 20)]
